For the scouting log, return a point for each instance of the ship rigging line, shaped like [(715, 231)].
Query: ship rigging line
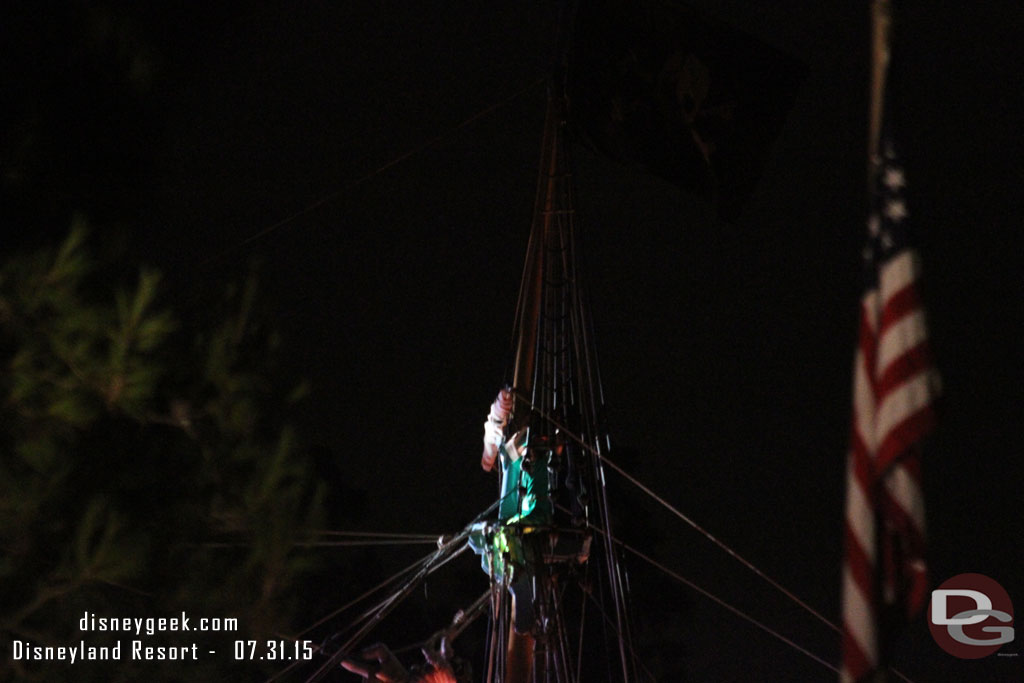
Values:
[(368, 593), (654, 563), (385, 582), (374, 617), (450, 548), (377, 534), (611, 624), (668, 506), (723, 603), (331, 196), (376, 613), (459, 624), (362, 543), (355, 543), (318, 538), (711, 596), (351, 603)]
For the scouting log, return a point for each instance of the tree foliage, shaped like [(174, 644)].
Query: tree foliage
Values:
[(146, 467)]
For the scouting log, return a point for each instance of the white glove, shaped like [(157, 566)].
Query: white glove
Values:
[(493, 433)]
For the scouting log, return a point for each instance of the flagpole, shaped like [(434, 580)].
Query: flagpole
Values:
[(881, 21), (881, 24)]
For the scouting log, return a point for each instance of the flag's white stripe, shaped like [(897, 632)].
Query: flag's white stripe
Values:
[(863, 402), (858, 617), (859, 515), (900, 338), (871, 306), (905, 490), (897, 273), (904, 401)]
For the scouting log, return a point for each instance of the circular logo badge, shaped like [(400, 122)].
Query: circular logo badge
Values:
[(970, 616)]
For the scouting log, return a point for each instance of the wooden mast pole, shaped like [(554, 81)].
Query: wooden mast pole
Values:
[(881, 22)]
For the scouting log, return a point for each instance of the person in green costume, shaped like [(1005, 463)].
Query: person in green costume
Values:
[(507, 550)]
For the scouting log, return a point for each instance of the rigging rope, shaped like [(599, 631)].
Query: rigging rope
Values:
[(611, 624), (377, 612), (283, 672), (387, 581), (326, 199), (390, 603), (328, 544), (459, 624), (351, 603), (726, 605), (714, 598), (368, 593), (451, 548), (732, 609), (719, 601), (359, 544), (377, 534), (697, 527)]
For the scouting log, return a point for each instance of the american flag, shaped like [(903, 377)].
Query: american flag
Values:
[(894, 392)]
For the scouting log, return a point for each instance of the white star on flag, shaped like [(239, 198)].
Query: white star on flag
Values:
[(894, 179), (874, 225), (896, 210)]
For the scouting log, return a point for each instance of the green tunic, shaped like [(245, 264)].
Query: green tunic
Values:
[(525, 502)]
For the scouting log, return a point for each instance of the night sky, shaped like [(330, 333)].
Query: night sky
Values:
[(354, 149)]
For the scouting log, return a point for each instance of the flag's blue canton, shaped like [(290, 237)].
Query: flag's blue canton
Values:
[(886, 231)]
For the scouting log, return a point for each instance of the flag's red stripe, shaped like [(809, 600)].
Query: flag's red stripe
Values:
[(899, 305), (868, 343), (905, 531), (855, 660), (860, 565), (863, 466), (900, 519), (912, 466), (911, 362), (904, 435)]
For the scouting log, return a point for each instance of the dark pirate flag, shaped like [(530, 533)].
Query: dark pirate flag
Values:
[(693, 101)]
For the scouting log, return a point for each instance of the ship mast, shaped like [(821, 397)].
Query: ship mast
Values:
[(558, 405)]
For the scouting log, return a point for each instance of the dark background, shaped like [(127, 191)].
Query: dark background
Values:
[(200, 139)]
